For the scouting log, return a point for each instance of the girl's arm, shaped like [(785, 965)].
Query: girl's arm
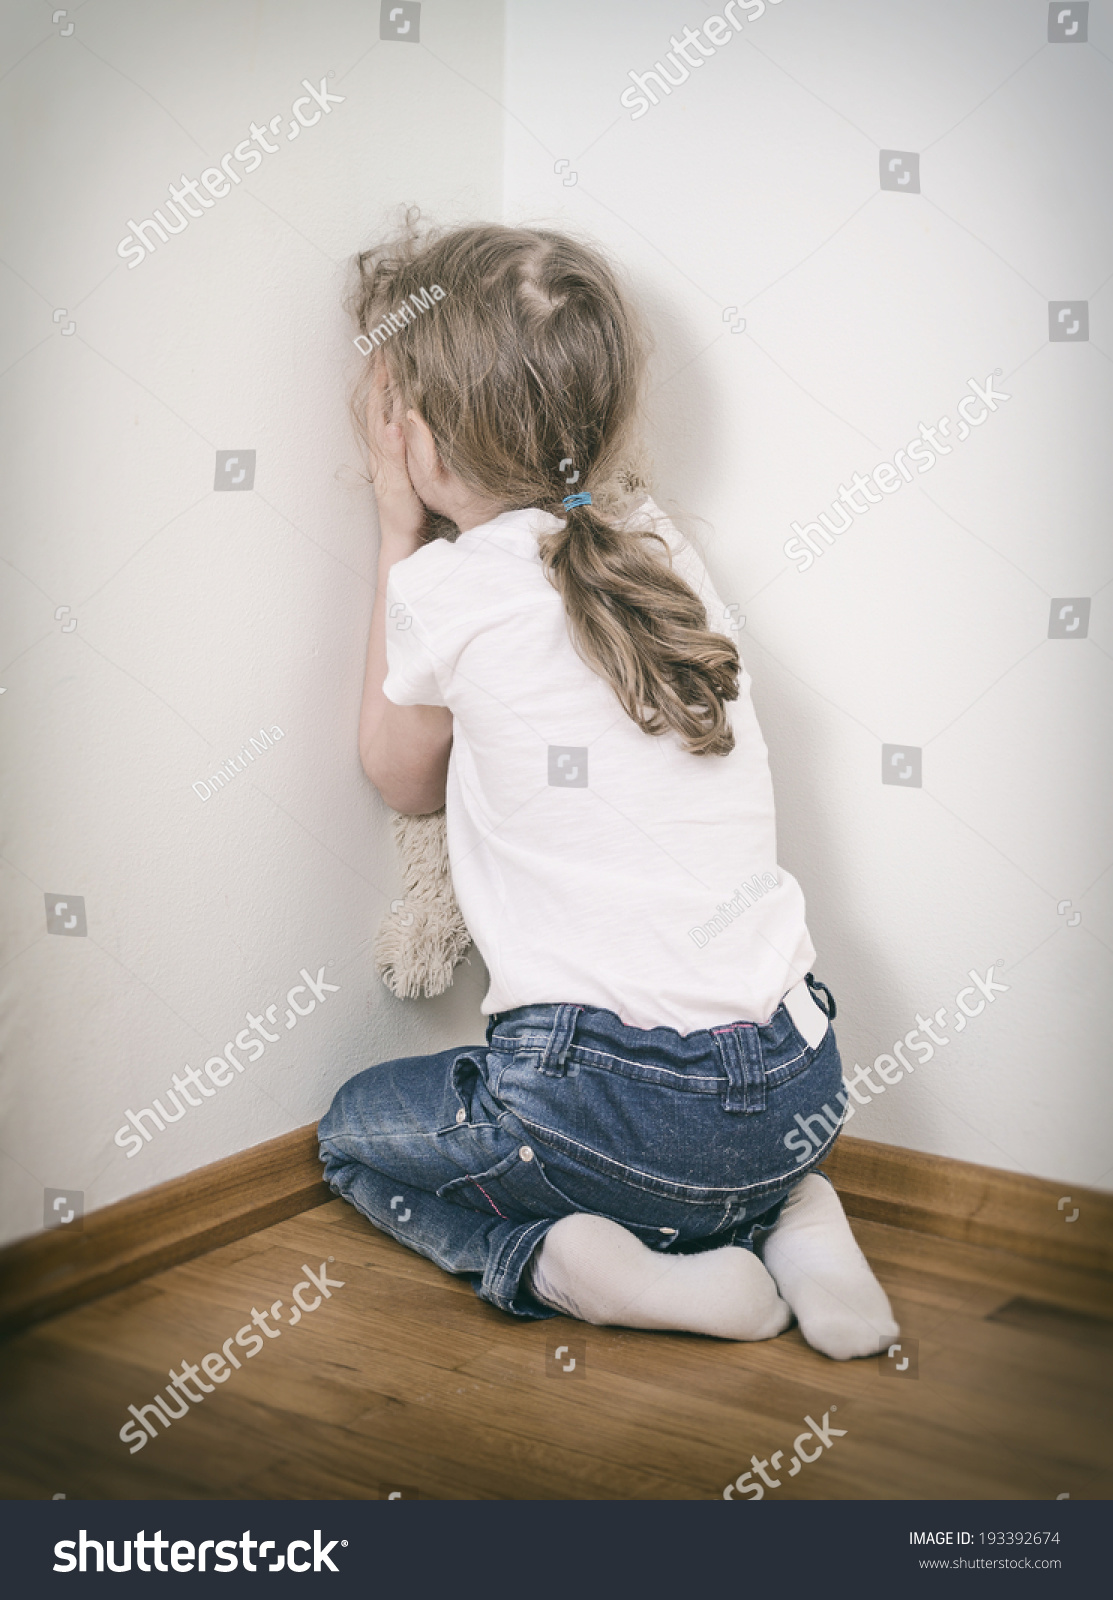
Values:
[(404, 749)]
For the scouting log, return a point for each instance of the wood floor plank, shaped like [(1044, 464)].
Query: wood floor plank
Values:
[(404, 1377)]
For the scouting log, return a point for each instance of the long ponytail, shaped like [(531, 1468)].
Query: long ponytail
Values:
[(637, 623)]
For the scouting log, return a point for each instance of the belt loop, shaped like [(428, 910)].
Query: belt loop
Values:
[(559, 1040), (740, 1051), (829, 1006)]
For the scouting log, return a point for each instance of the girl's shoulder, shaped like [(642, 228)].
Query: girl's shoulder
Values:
[(685, 556), (428, 564)]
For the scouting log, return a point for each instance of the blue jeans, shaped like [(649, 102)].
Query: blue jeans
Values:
[(471, 1155)]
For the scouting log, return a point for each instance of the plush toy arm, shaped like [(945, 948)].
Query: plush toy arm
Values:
[(423, 936)]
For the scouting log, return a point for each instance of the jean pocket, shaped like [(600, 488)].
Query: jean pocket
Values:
[(473, 1101), (514, 1187), (519, 1189), (658, 1221)]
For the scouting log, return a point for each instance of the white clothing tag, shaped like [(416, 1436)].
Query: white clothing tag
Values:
[(805, 1013)]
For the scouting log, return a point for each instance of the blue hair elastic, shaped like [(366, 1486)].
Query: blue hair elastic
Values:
[(571, 500)]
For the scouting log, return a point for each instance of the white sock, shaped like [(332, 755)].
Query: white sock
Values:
[(819, 1269), (596, 1271)]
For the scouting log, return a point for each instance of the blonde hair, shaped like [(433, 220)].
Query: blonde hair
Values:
[(532, 362)]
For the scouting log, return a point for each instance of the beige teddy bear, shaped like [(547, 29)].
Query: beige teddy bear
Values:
[(423, 936)]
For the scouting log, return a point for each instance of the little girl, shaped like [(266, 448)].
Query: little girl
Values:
[(549, 660)]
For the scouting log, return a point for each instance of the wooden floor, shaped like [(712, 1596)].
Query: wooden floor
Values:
[(404, 1382)]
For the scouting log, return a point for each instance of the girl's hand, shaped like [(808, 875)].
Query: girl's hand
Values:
[(402, 516), (404, 749)]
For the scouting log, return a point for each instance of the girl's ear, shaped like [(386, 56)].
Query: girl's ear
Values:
[(421, 447), (379, 399)]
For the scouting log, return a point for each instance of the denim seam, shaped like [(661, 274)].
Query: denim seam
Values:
[(807, 1165), (541, 1171), (391, 1233), (511, 1044), (687, 1194), (554, 1057), (439, 1133), (505, 1265), (368, 1135), (584, 1055), (589, 1057), (798, 1057), (740, 1050), (641, 1071)]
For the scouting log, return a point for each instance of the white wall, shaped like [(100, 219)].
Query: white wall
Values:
[(755, 185), (201, 616)]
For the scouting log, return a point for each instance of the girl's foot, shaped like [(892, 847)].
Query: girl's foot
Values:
[(819, 1269), (594, 1270)]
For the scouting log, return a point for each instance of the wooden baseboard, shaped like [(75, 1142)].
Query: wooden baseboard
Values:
[(158, 1228), (1033, 1217), (135, 1238)]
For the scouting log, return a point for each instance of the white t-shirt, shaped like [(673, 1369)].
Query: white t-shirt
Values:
[(592, 862)]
